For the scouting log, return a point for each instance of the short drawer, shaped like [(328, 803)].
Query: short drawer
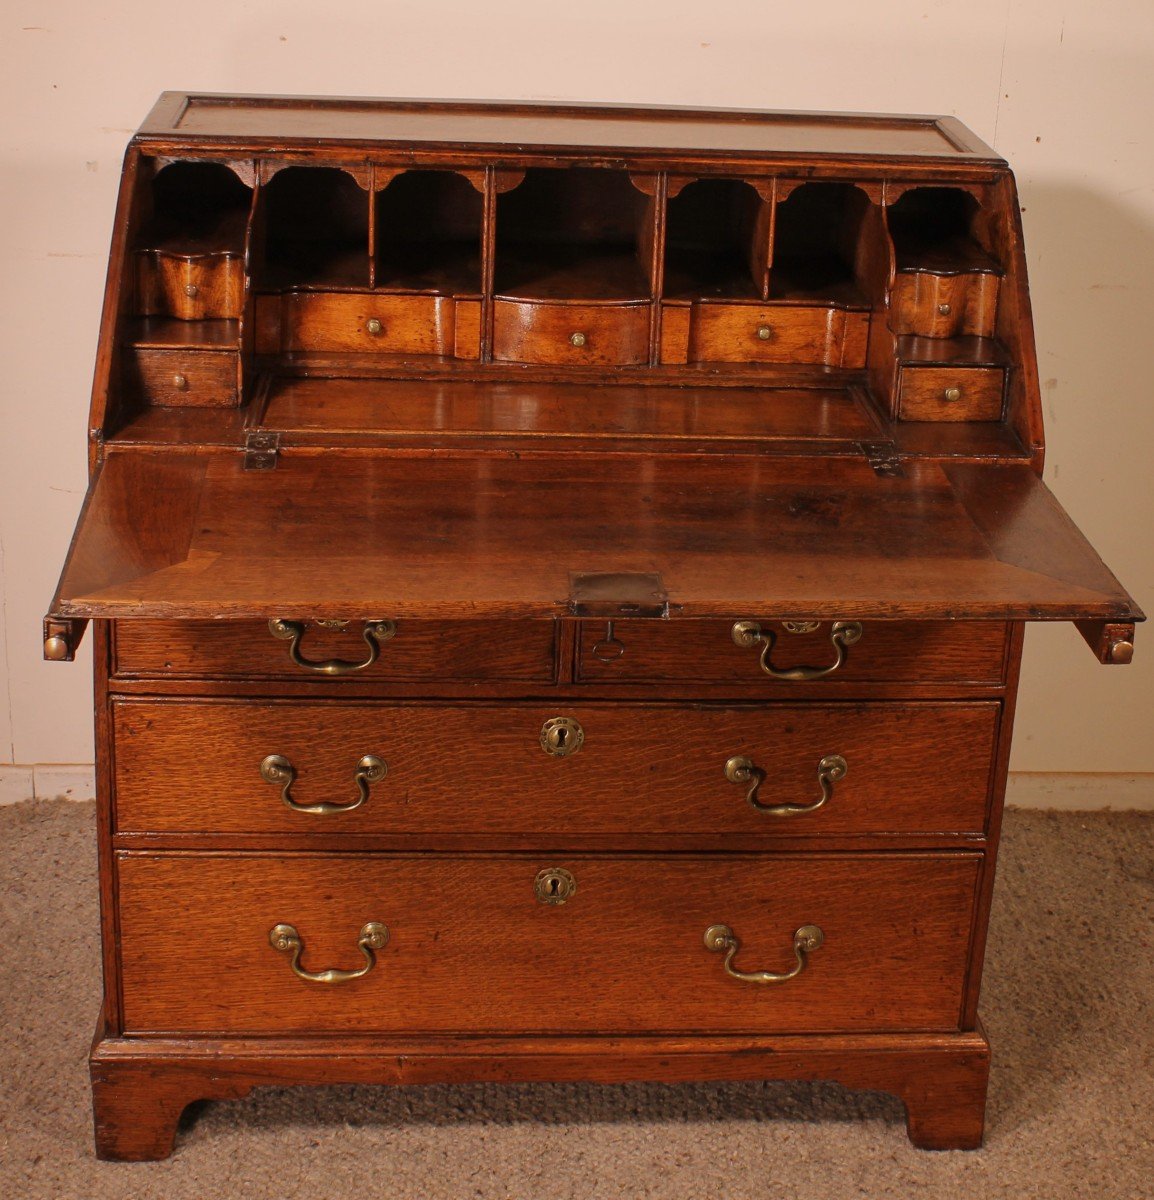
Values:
[(187, 379), (409, 651), (693, 651), (465, 944), (571, 334), (368, 323), (951, 393), (782, 333), (768, 770), (928, 304), (190, 288)]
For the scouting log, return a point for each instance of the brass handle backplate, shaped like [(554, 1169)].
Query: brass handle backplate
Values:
[(830, 770), (842, 634), (373, 936), (722, 939), (375, 634), (279, 771)]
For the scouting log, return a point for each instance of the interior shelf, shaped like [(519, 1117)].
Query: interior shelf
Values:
[(168, 333), (817, 243), (428, 234), (717, 242), (196, 209), (316, 230), (578, 234), (934, 229)]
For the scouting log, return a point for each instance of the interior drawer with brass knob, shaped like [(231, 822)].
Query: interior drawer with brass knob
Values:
[(945, 305), (543, 332), (820, 335), (951, 393), (375, 649), (190, 287), (787, 655), (368, 323), (327, 943), (578, 771), (186, 379)]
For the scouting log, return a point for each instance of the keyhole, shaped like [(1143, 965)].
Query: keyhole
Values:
[(554, 886), (560, 737)]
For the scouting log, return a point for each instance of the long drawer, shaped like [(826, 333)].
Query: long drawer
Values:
[(418, 651), (759, 652), (551, 768), (468, 945)]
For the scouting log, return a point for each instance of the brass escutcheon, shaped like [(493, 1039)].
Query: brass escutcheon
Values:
[(561, 737), (554, 885)]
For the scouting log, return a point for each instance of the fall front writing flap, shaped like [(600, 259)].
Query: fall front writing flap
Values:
[(191, 533)]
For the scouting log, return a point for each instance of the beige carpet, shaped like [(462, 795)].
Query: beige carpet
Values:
[(1069, 1004)]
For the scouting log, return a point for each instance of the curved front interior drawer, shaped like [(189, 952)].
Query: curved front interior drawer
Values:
[(400, 651), (532, 331), (469, 944), (554, 768)]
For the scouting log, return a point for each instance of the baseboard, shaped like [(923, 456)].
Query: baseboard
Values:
[(47, 781), (1072, 790), (1027, 789)]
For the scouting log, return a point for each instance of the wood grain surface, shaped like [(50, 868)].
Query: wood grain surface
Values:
[(471, 948)]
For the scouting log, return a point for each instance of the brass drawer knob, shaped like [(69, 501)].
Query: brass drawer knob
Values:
[(577, 339), (373, 936), (764, 333), (279, 771), (375, 634), (561, 737), (191, 291), (554, 885), (721, 939), (742, 770), (944, 310), (952, 394), (374, 326), (842, 635), (180, 382)]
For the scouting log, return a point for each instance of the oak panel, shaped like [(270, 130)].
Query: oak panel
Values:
[(478, 768), (472, 949), (420, 650)]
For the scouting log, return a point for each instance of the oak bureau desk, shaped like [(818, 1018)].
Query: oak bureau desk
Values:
[(558, 579)]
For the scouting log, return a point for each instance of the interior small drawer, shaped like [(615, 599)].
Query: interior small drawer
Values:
[(368, 323), (190, 288), (542, 943), (561, 769), (929, 304), (382, 651), (951, 393), (571, 334), (780, 655), (820, 335), (187, 378)]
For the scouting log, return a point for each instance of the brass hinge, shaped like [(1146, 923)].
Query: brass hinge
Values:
[(884, 459), (260, 450)]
